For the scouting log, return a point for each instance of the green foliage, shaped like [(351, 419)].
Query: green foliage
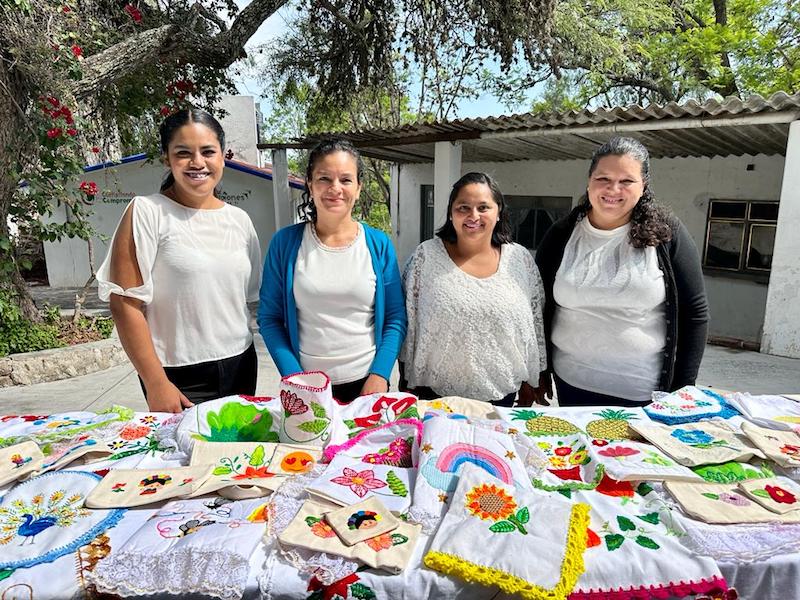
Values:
[(316, 426), (17, 334), (239, 423)]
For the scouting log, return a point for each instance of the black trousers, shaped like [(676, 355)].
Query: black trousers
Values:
[(215, 378), (569, 395), (345, 393)]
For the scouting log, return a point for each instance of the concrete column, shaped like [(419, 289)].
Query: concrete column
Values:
[(280, 189), (394, 202), (446, 171), (782, 317)]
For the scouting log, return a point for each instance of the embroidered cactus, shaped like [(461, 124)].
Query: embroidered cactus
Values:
[(396, 484)]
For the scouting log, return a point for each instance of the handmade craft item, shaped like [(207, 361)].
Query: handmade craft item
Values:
[(123, 488), (395, 444), (688, 404), (81, 451), (139, 436), (695, 444), (294, 459), (723, 503), (569, 466), (59, 426), (468, 407), (366, 413), (610, 423), (358, 522), (637, 461), (348, 481), (308, 408), (19, 460), (44, 518), (732, 472), (189, 547), (491, 530), (778, 494), (773, 412), (783, 447)]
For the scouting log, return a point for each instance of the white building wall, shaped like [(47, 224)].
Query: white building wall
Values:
[(684, 184), (241, 127)]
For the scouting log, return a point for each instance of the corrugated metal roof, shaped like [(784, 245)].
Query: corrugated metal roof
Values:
[(711, 128)]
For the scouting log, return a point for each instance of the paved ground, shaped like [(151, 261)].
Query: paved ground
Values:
[(722, 368)]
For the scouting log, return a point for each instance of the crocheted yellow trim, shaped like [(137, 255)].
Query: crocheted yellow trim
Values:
[(571, 567)]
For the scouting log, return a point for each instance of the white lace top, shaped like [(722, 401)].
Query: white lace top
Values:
[(472, 337)]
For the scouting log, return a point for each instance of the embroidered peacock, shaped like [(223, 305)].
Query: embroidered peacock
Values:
[(28, 519)]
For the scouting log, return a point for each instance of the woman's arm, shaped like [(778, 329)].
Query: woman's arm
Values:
[(134, 332)]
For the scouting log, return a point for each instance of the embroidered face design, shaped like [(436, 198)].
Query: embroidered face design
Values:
[(297, 462), (363, 519), (150, 485)]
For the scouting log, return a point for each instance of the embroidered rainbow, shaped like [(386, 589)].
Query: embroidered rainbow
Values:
[(456, 455)]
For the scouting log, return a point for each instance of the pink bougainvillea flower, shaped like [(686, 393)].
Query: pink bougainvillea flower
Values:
[(359, 482), (618, 452), (54, 132), (72, 132), (292, 404), (134, 13), (381, 542), (780, 495)]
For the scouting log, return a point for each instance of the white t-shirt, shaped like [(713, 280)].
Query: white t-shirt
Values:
[(334, 290), (199, 269), (610, 327)]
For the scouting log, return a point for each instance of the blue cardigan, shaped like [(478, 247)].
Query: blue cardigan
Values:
[(277, 312)]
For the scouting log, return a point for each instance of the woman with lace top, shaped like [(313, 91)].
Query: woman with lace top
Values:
[(183, 265), (474, 302), (331, 298), (626, 310)]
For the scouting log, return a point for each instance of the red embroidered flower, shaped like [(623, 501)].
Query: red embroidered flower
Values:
[(292, 404), (254, 473), (563, 451), (571, 474), (381, 542), (340, 589), (133, 432), (359, 482), (398, 405), (780, 495), (612, 487), (398, 454), (618, 452), (54, 132), (77, 51), (322, 529), (592, 539), (367, 422), (791, 450)]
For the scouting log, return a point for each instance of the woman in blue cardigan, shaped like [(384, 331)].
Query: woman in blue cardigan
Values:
[(331, 298)]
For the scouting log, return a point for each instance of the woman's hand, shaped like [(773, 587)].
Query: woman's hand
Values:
[(528, 395), (375, 384), (165, 397)]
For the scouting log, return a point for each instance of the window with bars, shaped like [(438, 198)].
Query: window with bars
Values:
[(740, 235)]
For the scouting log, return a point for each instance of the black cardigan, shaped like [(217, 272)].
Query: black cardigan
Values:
[(686, 306)]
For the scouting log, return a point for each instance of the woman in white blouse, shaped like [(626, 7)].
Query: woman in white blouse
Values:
[(182, 267), (474, 303)]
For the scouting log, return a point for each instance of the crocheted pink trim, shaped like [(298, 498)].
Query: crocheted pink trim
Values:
[(332, 451), (679, 589), (309, 388)]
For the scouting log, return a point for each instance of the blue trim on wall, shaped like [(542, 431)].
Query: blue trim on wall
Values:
[(114, 163)]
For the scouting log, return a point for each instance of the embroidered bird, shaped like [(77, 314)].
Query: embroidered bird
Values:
[(33, 527), (28, 517)]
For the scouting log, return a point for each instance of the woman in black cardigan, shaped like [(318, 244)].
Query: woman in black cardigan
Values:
[(626, 309)]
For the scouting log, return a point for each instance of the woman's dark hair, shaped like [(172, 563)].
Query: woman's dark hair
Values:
[(501, 234), (306, 211), (651, 222), (170, 126)]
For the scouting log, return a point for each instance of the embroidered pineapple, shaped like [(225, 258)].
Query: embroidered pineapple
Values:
[(613, 425), (539, 423)]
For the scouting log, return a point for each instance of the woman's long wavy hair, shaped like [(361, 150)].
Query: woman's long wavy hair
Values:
[(501, 234), (306, 211), (651, 222)]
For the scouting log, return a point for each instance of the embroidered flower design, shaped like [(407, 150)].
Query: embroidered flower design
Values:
[(563, 451), (791, 450), (734, 499), (600, 443), (148, 419), (557, 462), (398, 454), (254, 473), (780, 495), (692, 437), (579, 457), (320, 528), (381, 542), (488, 502), (359, 482), (292, 405), (116, 445), (397, 405), (118, 487), (133, 432), (618, 452)]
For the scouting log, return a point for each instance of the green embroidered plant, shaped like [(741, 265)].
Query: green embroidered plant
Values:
[(239, 423), (732, 472), (630, 531), (396, 484)]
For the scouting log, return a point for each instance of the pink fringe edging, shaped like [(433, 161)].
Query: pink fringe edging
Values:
[(332, 451), (679, 589)]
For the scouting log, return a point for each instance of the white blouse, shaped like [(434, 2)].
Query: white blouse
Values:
[(473, 337), (199, 269)]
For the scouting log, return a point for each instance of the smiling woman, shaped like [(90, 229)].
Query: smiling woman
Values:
[(182, 267)]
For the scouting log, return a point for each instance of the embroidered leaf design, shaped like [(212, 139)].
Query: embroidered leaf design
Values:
[(523, 515), (646, 542), (222, 470), (398, 538), (362, 592), (311, 520), (409, 413), (651, 518), (315, 426), (625, 524), (319, 410), (614, 541), (760, 493), (257, 458), (502, 527), (566, 493), (396, 484), (643, 489), (6, 573), (350, 423), (710, 495)]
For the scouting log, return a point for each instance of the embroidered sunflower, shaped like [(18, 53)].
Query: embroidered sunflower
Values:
[(490, 503)]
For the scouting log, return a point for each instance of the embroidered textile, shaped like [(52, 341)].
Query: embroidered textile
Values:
[(139, 436), (60, 426), (723, 503), (778, 494), (637, 461), (732, 472), (19, 460), (456, 404), (783, 447), (773, 412), (308, 409), (694, 444), (395, 443), (359, 522), (610, 423), (44, 518), (491, 530), (81, 451), (688, 404), (368, 412), (135, 487)]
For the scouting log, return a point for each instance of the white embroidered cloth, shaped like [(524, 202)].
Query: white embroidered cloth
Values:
[(774, 412)]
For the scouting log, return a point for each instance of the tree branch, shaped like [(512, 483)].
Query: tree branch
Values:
[(214, 18)]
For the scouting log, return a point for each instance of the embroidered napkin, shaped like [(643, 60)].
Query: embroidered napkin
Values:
[(81, 451), (456, 404), (347, 481), (358, 522), (395, 444), (44, 518), (610, 423), (694, 444), (188, 547), (308, 408), (368, 412), (293, 459), (636, 461), (60, 426), (236, 464), (138, 437), (491, 530), (779, 494), (781, 446), (732, 472), (135, 487), (569, 465), (688, 404), (723, 503), (19, 460), (774, 412), (389, 551)]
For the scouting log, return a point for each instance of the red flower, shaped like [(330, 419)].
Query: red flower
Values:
[(72, 131), (367, 422), (618, 452), (612, 487), (780, 495), (133, 12), (292, 405), (254, 473), (95, 150), (53, 101), (398, 405), (339, 588), (133, 432), (592, 539), (164, 111), (88, 187), (54, 132), (562, 451), (571, 474), (77, 51), (600, 443), (65, 9)]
